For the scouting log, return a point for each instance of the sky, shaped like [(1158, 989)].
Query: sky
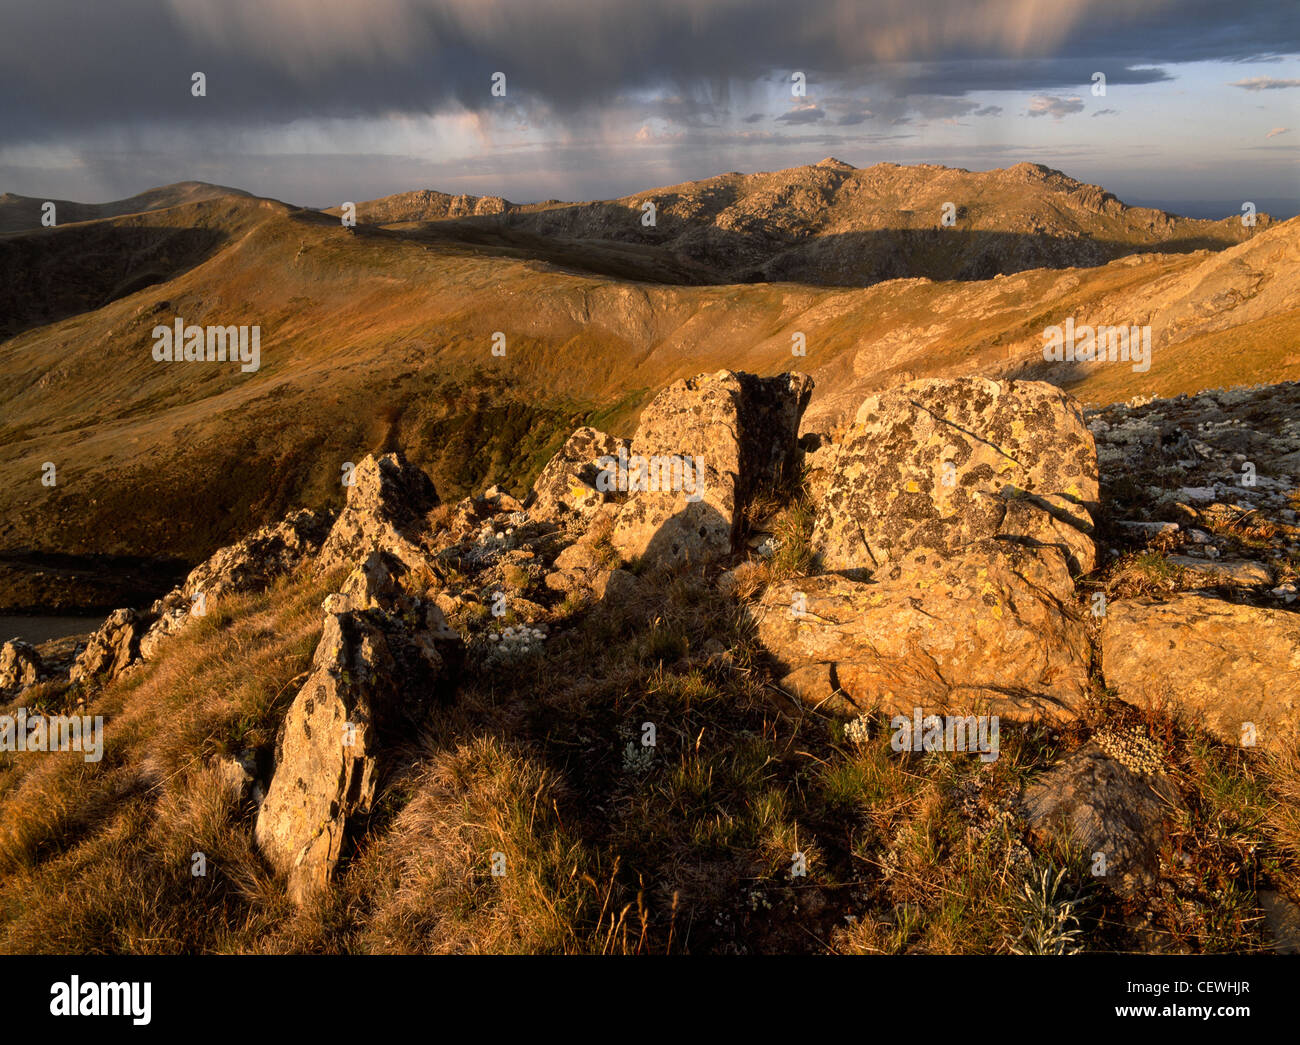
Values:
[(318, 102)]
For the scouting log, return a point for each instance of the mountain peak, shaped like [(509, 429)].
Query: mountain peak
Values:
[(838, 165)]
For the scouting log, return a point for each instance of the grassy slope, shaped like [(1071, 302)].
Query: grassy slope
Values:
[(688, 851), (379, 340)]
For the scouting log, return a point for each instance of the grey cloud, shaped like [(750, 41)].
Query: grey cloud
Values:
[(272, 61)]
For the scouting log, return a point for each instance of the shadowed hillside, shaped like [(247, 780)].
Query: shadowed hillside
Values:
[(383, 337), (827, 223)]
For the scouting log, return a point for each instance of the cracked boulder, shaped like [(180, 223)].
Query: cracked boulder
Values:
[(254, 562), (702, 449), (247, 565), (20, 664), (114, 647), (1231, 668), (987, 631), (940, 464)]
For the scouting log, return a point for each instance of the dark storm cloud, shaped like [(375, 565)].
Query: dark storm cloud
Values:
[(68, 66)]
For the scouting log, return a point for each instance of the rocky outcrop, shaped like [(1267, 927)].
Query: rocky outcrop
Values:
[(702, 448), (20, 664), (385, 511), (1208, 482), (382, 658), (257, 560), (942, 464), (568, 485), (246, 566), (986, 629), (114, 647), (1233, 669), (1111, 811)]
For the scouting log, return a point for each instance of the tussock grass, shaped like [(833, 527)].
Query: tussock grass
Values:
[(692, 845), (97, 857)]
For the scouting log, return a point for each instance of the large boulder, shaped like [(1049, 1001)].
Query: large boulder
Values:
[(1231, 668), (702, 448), (383, 656), (1111, 811), (567, 486), (386, 510), (20, 664), (988, 630), (940, 464), (114, 647)]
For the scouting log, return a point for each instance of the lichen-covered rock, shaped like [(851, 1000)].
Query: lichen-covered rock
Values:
[(701, 450), (247, 565), (173, 611), (1111, 813), (373, 674), (1233, 669), (20, 664), (988, 629), (818, 453), (816, 686), (114, 647), (941, 464), (567, 485), (252, 563), (385, 511)]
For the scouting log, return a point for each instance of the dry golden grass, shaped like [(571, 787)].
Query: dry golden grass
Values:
[(476, 808), (113, 840), (686, 847)]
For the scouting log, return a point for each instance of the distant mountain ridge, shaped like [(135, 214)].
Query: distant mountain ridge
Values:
[(383, 338), (23, 213), (835, 225)]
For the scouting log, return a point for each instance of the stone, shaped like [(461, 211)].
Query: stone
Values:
[(986, 630), (113, 648), (1283, 918), (819, 453), (174, 610), (499, 500), (567, 484), (1222, 664), (578, 556), (373, 585), (371, 679), (616, 586), (816, 686), (940, 464), (709, 444), (1237, 573), (385, 511), (20, 664), (236, 775), (1104, 807), (248, 565), (565, 581), (254, 562)]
